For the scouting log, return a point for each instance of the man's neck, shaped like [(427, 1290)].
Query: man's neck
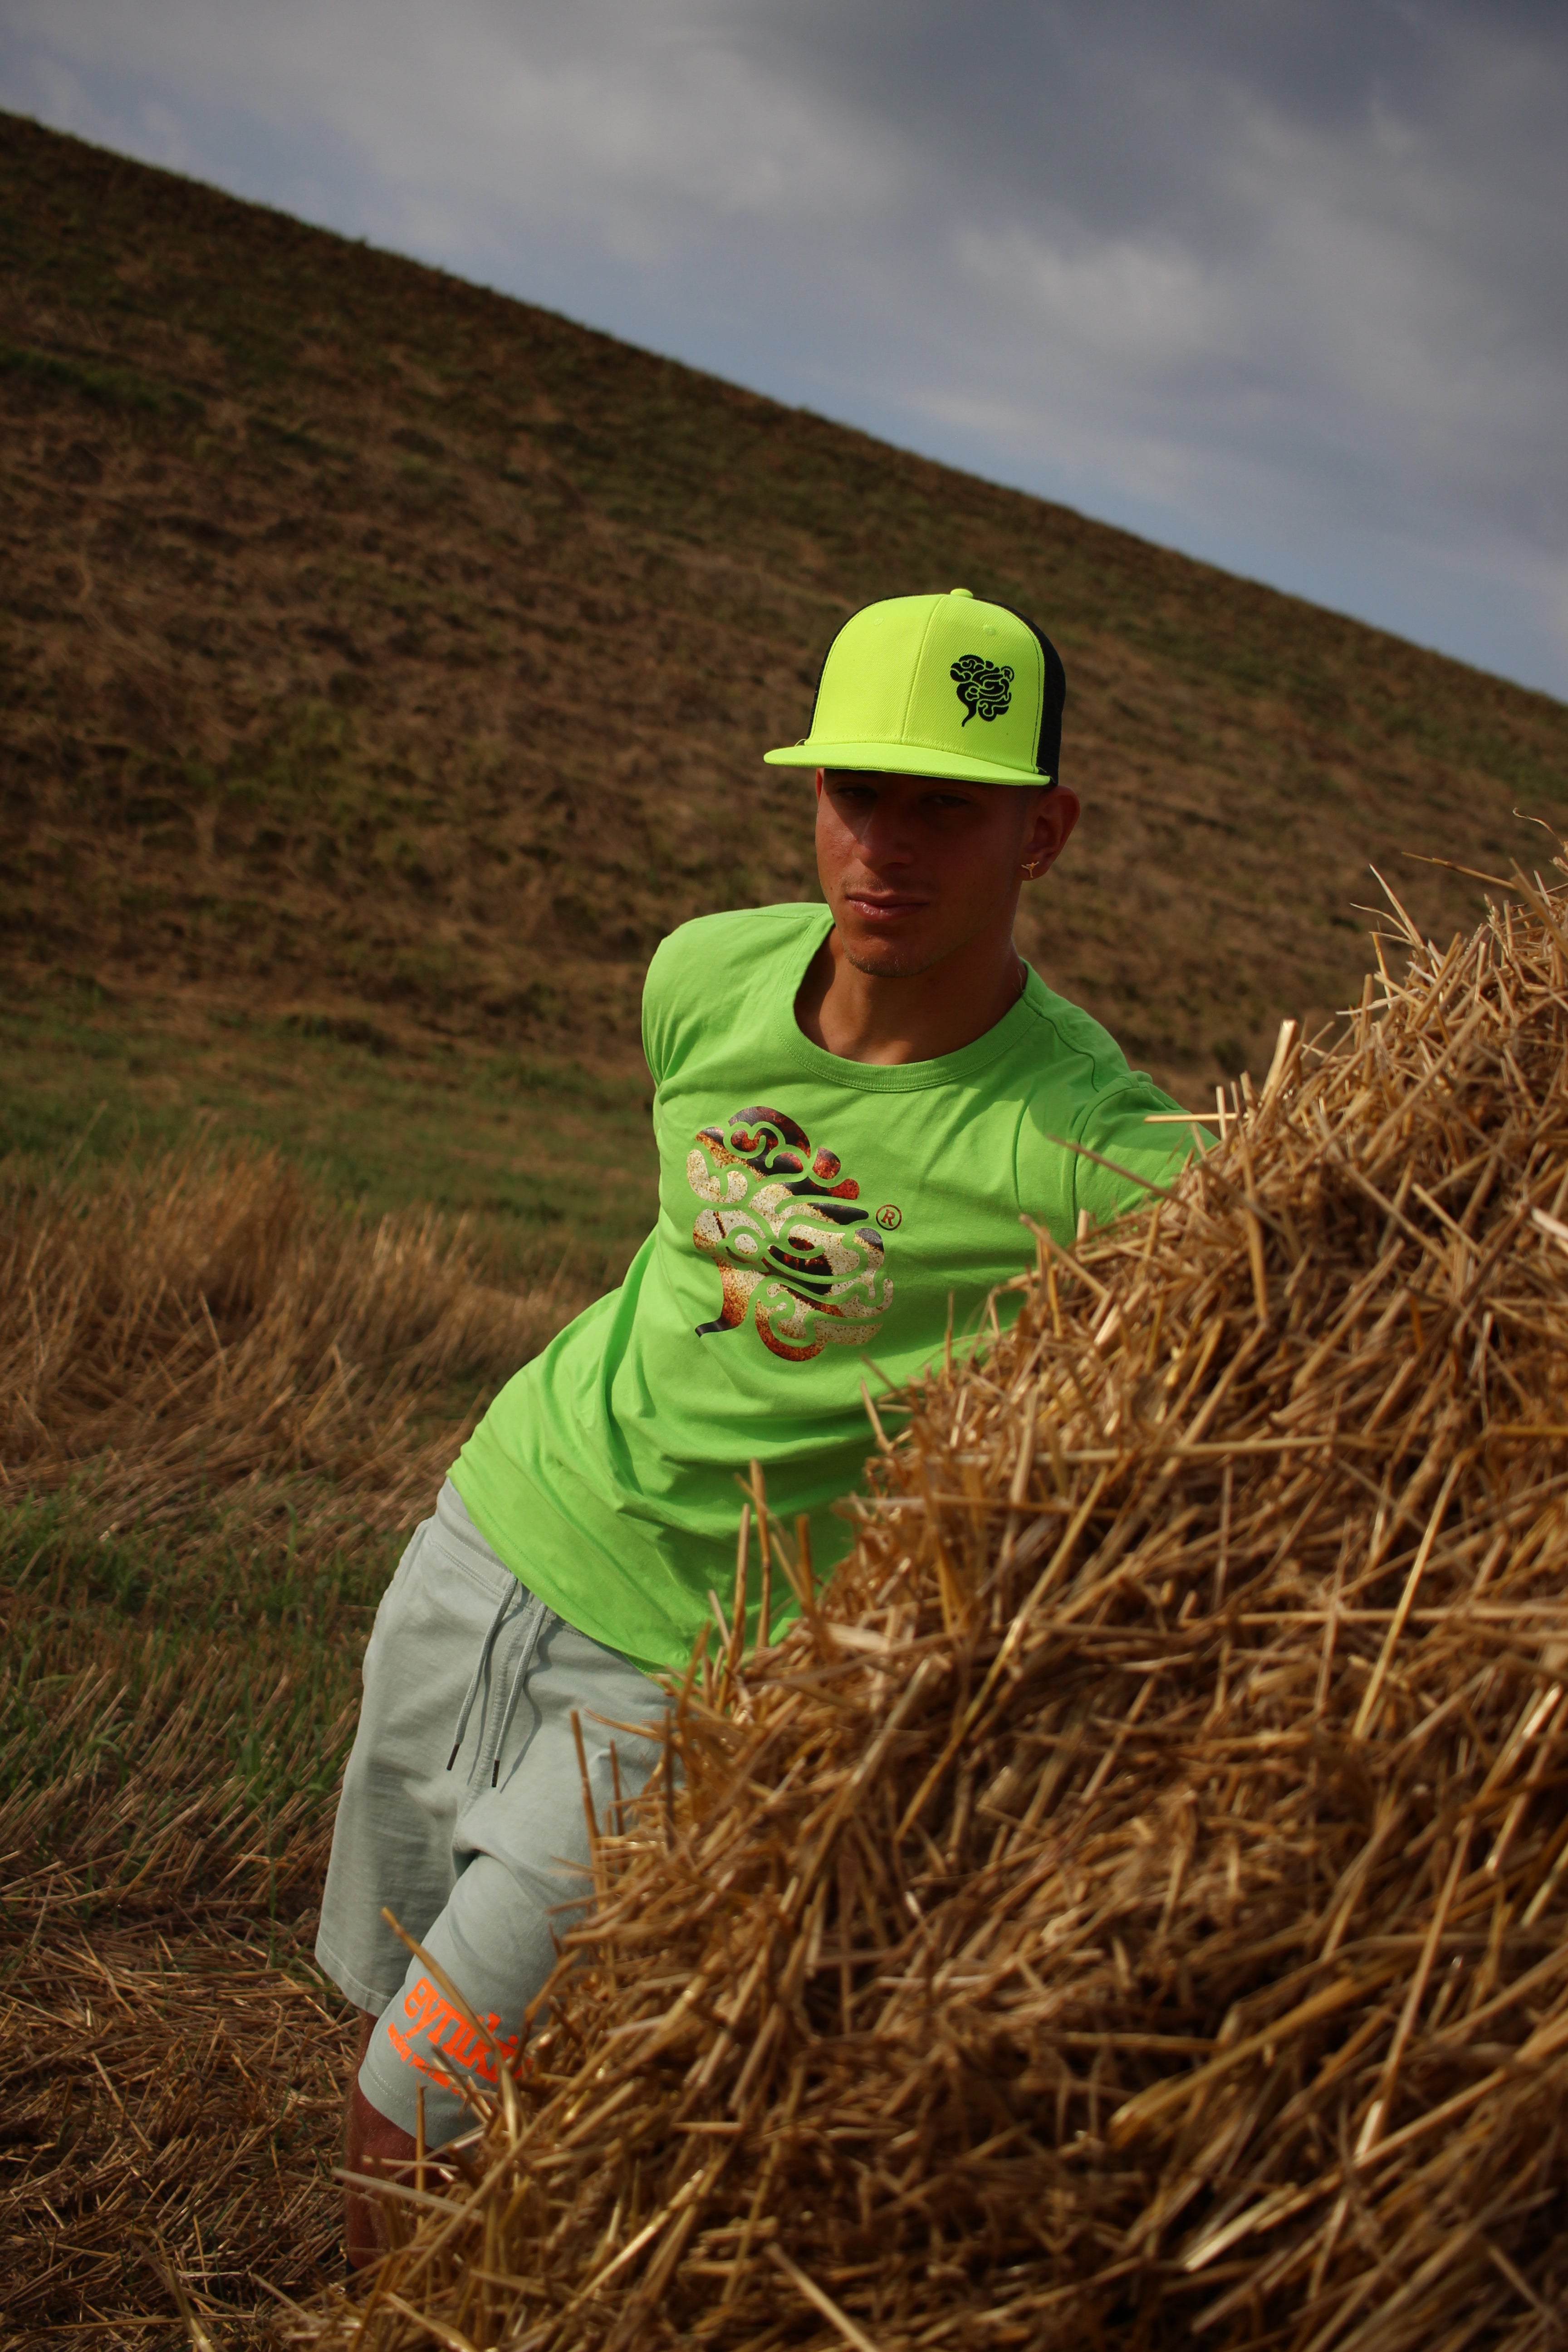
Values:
[(865, 1016)]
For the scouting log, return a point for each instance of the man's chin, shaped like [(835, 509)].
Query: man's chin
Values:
[(887, 959)]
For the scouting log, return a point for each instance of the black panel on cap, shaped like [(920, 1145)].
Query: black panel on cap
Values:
[(1048, 751)]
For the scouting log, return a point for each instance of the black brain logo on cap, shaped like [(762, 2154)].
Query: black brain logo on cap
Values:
[(985, 689)]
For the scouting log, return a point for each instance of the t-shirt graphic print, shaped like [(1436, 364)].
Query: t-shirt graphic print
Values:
[(785, 1229), (822, 1225)]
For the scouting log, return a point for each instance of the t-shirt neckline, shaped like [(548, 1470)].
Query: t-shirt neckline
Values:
[(895, 1077)]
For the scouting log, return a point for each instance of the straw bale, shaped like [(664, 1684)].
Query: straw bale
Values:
[(1130, 1907)]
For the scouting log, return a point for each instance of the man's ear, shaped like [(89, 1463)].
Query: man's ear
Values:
[(1056, 814)]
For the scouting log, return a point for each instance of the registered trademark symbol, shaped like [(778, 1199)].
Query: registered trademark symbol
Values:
[(887, 1217)]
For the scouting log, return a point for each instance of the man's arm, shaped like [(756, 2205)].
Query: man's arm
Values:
[(1137, 1129)]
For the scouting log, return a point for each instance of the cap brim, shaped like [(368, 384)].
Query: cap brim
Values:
[(904, 759)]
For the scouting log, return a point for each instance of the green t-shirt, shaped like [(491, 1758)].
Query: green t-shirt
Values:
[(818, 1219)]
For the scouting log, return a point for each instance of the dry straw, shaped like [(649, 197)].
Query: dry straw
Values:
[(207, 1320), (205, 1352), (166, 2094), (1129, 1908)]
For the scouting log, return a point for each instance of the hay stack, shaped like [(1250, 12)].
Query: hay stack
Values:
[(1131, 1909)]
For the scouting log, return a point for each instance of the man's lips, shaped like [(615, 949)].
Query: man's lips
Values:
[(883, 907)]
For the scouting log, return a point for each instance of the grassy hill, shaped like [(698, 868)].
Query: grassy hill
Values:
[(387, 665)]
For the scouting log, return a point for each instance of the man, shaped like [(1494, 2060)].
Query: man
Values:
[(856, 1104)]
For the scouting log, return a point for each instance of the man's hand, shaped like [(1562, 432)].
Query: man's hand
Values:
[(373, 2146)]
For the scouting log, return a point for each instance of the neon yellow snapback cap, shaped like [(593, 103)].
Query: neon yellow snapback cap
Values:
[(937, 685)]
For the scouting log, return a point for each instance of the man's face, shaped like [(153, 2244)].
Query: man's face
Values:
[(916, 867)]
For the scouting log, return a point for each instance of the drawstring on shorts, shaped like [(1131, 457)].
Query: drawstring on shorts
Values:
[(481, 1678), (481, 1671), (524, 1664)]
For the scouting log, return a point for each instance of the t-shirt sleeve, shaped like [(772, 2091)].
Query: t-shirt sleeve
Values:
[(1115, 1125), (657, 1023)]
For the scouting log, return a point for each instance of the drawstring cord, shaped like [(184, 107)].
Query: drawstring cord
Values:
[(524, 1664), (483, 1671)]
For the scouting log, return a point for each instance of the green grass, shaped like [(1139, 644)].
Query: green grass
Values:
[(266, 1634), (208, 1576), (106, 387), (552, 1163)]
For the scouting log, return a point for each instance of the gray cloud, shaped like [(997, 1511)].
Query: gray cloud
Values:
[(1278, 281)]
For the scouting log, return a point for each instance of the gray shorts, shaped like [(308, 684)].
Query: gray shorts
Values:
[(487, 1862)]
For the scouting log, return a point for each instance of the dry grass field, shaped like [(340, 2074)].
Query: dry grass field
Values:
[(383, 668), (220, 1400)]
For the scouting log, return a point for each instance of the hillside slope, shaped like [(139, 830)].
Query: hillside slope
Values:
[(375, 642)]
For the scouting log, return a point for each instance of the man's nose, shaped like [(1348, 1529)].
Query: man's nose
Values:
[(888, 839)]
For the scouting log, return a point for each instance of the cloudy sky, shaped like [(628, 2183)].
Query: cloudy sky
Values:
[(1280, 282)]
